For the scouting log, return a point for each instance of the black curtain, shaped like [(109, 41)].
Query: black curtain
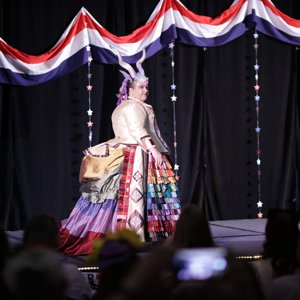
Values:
[(43, 128)]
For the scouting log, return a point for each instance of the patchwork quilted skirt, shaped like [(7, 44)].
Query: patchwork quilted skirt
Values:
[(122, 190)]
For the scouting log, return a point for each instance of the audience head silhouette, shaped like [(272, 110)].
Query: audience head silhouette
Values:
[(192, 229), (116, 256), (282, 235), (41, 230), (36, 273)]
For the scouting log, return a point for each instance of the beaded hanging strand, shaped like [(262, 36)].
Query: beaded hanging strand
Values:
[(89, 88), (258, 128), (174, 99)]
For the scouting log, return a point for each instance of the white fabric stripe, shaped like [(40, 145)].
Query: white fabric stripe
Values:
[(206, 30)]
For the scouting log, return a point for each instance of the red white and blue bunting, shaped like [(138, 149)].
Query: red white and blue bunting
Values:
[(170, 21)]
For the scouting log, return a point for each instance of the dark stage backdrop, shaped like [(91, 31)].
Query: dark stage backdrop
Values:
[(43, 128)]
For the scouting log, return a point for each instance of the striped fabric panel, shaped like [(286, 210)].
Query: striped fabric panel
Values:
[(170, 21), (125, 182)]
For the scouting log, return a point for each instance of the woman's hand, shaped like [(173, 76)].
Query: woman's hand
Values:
[(158, 157)]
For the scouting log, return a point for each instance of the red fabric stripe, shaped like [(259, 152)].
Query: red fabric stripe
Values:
[(35, 59), (286, 18), (74, 245), (228, 14), (137, 34), (79, 25)]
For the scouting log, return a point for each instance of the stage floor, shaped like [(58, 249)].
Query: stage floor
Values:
[(242, 237)]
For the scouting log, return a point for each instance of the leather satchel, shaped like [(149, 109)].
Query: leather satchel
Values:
[(94, 167)]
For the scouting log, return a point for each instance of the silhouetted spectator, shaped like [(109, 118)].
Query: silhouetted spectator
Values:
[(154, 277), (36, 273), (192, 229), (4, 255), (286, 287), (237, 282), (42, 231), (147, 281), (151, 279), (280, 247), (116, 255)]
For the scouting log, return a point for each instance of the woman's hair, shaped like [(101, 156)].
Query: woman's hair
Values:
[(192, 229), (125, 86)]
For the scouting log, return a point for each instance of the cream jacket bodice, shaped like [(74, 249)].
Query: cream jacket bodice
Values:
[(133, 121)]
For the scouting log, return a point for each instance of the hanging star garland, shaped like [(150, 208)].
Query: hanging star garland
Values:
[(89, 89), (173, 100), (257, 128)]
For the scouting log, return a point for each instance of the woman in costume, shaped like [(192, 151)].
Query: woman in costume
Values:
[(128, 181)]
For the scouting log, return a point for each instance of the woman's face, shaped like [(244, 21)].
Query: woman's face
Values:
[(139, 90)]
